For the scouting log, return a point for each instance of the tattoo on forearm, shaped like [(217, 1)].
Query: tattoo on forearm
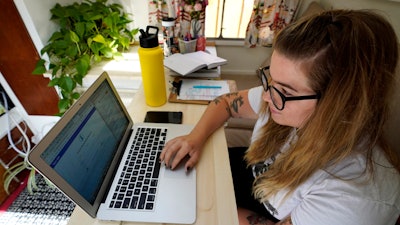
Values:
[(228, 95), (236, 103), (287, 221), (256, 219), (228, 111), (217, 100)]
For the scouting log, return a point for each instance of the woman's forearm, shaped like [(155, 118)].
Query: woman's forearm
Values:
[(220, 110), (216, 114), (213, 118)]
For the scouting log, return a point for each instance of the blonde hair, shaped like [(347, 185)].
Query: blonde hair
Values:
[(350, 57)]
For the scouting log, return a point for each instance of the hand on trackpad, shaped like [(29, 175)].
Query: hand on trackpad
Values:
[(179, 171)]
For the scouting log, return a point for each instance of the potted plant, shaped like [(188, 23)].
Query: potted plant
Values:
[(89, 32)]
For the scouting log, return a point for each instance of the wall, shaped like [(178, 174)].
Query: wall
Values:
[(241, 60), (36, 16)]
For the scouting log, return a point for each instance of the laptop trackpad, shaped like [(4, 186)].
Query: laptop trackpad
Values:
[(179, 171)]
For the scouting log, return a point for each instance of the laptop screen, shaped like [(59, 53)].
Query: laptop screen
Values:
[(82, 153)]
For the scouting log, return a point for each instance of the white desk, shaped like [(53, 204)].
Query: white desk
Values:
[(215, 194)]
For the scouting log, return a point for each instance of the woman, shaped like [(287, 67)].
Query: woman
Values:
[(317, 155)]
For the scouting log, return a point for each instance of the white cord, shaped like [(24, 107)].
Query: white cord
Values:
[(26, 148)]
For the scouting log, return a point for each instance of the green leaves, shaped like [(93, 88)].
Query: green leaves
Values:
[(83, 65), (99, 38), (40, 68), (89, 32), (80, 29), (12, 173), (66, 83)]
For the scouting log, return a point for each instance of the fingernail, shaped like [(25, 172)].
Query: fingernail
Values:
[(188, 169)]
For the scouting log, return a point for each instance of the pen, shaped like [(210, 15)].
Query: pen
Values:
[(205, 86)]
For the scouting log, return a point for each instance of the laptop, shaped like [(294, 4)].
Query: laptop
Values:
[(88, 155)]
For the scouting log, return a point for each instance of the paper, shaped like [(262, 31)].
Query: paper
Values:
[(192, 89), (185, 64)]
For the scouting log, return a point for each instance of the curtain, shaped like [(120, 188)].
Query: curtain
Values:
[(267, 18), (188, 15)]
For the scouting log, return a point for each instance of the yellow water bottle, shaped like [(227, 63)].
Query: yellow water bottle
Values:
[(151, 59)]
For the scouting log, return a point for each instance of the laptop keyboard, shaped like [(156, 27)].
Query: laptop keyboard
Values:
[(137, 185)]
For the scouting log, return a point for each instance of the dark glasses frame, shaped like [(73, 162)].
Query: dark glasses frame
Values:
[(264, 80)]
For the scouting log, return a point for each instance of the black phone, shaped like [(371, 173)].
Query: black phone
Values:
[(163, 117)]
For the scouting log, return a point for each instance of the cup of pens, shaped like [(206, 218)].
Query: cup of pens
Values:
[(187, 46)]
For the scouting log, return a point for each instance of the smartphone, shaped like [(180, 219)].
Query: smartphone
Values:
[(163, 117)]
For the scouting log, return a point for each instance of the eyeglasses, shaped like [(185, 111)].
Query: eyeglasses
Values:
[(279, 99)]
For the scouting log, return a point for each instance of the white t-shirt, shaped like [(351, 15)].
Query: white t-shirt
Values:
[(327, 200)]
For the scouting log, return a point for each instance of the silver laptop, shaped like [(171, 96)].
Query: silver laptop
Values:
[(102, 161)]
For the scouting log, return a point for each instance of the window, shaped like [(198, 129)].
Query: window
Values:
[(228, 18)]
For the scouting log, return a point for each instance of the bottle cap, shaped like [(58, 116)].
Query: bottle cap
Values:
[(168, 22), (147, 39)]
